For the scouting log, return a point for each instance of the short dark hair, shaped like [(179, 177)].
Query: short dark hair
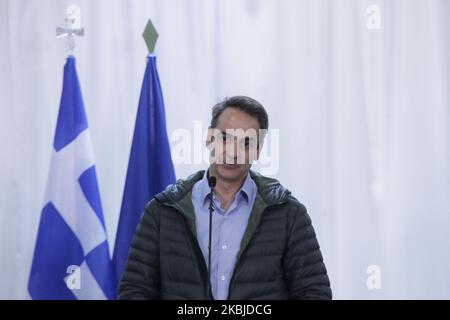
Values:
[(242, 103)]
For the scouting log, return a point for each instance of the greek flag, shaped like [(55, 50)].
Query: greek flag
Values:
[(71, 258)]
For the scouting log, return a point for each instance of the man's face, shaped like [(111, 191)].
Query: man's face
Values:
[(234, 145)]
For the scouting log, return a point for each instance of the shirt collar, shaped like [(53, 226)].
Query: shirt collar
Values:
[(245, 190)]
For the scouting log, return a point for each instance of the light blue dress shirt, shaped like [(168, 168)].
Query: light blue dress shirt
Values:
[(228, 228)]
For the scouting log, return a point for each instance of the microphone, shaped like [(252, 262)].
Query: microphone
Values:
[(211, 183)]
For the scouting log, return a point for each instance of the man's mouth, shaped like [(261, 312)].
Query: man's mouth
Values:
[(230, 166)]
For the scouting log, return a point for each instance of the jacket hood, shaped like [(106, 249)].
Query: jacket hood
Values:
[(270, 190)]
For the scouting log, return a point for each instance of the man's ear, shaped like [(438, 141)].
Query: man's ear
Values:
[(261, 137), (258, 151), (210, 136)]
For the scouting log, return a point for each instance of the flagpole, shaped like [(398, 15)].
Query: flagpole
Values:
[(71, 258), (150, 167)]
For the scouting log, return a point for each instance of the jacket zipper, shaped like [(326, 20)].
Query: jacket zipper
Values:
[(194, 242), (197, 248), (236, 265)]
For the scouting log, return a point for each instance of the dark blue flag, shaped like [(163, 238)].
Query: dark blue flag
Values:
[(150, 167)]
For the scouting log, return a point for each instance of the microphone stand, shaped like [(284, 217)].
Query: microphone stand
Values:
[(212, 183)]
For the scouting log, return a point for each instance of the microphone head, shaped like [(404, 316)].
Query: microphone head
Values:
[(212, 181)]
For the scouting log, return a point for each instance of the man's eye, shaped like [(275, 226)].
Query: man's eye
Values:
[(249, 143)]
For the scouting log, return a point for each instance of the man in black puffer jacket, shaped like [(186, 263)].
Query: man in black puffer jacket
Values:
[(273, 252)]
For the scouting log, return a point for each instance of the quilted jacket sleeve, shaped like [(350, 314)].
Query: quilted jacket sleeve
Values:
[(141, 277), (304, 269)]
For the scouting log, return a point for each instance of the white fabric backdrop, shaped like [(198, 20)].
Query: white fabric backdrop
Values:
[(363, 117)]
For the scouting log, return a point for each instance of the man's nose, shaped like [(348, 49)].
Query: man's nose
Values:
[(230, 151), (234, 153)]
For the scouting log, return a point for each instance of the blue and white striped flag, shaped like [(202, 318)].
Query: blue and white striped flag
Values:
[(71, 258)]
